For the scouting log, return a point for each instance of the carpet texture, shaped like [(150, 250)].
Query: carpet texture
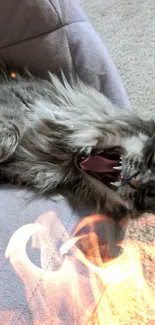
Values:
[(128, 29)]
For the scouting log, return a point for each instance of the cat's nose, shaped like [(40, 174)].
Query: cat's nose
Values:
[(134, 180)]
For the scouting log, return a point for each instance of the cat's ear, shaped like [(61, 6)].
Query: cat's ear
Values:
[(151, 125)]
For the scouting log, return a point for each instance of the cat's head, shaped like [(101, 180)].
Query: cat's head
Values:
[(137, 172), (133, 175)]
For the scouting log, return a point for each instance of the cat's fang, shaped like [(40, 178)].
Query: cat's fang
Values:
[(116, 184), (118, 167)]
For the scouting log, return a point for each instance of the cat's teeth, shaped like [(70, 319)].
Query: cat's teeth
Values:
[(118, 167), (116, 184)]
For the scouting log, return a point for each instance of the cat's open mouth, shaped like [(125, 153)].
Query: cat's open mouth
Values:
[(105, 165)]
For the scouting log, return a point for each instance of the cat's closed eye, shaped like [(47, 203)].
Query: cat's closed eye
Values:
[(151, 162)]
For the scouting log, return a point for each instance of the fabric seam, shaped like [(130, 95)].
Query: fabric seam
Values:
[(42, 34)]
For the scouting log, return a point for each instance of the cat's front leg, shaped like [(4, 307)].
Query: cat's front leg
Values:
[(12, 122), (10, 135), (144, 198)]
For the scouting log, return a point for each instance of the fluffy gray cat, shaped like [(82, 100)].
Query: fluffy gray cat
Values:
[(49, 128)]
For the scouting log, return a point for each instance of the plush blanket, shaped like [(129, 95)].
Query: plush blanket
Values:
[(36, 289)]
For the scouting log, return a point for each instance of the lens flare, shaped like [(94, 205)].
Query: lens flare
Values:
[(88, 279)]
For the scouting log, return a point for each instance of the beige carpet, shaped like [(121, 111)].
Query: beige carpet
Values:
[(128, 29)]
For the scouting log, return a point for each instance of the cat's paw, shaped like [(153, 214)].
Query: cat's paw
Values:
[(9, 138), (145, 197)]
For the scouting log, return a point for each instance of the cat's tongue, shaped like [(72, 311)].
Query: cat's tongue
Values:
[(98, 164), (103, 162)]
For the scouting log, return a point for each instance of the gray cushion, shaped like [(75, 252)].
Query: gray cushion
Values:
[(46, 35)]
